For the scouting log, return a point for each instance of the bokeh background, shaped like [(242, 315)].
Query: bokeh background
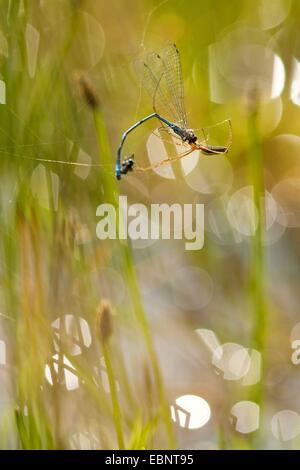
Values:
[(105, 345)]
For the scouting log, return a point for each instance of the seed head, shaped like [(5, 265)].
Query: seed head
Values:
[(104, 321), (87, 90)]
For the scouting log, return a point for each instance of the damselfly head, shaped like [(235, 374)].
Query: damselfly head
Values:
[(190, 136), (127, 165)]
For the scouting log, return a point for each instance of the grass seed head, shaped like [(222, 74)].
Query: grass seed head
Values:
[(87, 90), (104, 321)]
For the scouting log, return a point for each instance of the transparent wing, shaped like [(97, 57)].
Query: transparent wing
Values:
[(217, 134), (162, 78)]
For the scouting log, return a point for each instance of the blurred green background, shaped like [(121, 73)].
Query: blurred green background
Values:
[(144, 345)]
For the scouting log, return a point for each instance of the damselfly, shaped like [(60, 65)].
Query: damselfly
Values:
[(163, 80)]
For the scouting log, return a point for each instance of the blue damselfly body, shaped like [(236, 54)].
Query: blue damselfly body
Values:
[(163, 80)]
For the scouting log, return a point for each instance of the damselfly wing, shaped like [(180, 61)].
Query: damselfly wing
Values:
[(162, 78)]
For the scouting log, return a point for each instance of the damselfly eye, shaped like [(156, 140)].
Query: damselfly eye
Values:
[(192, 138)]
